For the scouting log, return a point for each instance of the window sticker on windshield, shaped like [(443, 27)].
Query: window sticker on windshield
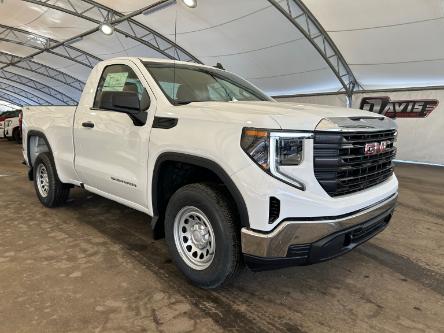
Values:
[(115, 81)]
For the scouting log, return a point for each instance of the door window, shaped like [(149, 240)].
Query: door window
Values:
[(118, 78)]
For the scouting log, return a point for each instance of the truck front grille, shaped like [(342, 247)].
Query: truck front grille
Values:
[(341, 165)]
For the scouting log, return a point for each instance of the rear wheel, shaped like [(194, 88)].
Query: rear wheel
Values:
[(48, 187), (202, 235)]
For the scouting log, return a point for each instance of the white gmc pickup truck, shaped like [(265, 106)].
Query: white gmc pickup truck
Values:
[(228, 175)]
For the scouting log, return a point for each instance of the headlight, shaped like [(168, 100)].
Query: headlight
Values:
[(289, 150), (275, 151), (256, 144)]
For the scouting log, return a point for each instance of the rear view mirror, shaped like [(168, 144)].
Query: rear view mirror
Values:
[(126, 102)]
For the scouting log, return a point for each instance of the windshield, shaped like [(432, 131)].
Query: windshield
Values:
[(183, 84), (11, 114)]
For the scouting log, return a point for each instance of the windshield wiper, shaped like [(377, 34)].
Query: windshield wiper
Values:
[(182, 102)]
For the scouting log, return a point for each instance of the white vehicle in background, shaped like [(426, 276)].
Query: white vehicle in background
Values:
[(228, 174), (12, 129), (2, 129)]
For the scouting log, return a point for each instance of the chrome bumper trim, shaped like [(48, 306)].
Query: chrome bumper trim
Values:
[(276, 243)]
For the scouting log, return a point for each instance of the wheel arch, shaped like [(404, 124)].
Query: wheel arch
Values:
[(200, 162), (33, 152)]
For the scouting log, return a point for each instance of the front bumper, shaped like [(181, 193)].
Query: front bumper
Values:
[(303, 242)]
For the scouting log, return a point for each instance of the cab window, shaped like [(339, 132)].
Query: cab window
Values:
[(118, 78)]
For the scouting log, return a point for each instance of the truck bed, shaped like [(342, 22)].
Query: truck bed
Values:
[(55, 123)]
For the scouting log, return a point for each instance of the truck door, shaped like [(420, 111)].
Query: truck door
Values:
[(111, 152)]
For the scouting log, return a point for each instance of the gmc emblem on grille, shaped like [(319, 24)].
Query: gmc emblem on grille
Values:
[(373, 148)]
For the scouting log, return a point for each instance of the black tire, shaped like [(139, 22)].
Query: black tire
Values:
[(57, 192), (16, 135), (214, 202)]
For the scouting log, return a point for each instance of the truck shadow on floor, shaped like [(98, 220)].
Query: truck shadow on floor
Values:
[(246, 304), (242, 305)]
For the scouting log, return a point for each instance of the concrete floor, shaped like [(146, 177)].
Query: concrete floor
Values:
[(92, 266)]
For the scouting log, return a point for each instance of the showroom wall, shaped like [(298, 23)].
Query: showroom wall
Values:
[(419, 140)]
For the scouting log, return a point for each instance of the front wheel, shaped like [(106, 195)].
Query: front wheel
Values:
[(48, 187), (202, 235)]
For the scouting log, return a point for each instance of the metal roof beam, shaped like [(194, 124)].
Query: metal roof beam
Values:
[(123, 24), (45, 44), (23, 93), (50, 45), (38, 68), (301, 17), (12, 99), (26, 81)]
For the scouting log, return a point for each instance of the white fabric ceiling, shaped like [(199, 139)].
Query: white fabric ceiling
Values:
[(387, 44), (5, 106)]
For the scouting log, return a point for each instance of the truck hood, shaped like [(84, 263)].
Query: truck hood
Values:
[(288, 116)]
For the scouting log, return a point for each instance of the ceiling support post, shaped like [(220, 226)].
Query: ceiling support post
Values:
[(307, 24)]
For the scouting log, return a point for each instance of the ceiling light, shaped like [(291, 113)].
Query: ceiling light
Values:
[(190, 3), (106, 28), (37, 39)]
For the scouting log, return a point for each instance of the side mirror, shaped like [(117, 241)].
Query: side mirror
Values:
[(120, 101), (126, 102)]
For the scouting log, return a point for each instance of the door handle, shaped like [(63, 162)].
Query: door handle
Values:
[(88, 124)]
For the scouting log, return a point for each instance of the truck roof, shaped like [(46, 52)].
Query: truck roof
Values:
[(163, 61)]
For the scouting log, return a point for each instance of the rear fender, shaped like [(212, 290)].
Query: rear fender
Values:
[(36, 143)]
